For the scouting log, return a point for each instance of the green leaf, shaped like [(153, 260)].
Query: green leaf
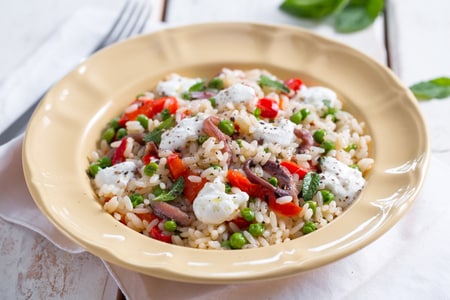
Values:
[(155, 134), (310, 185), (358, 15), (174, 192), (198, 87), (374, 8), (314, 9), (352, 18), (266, 81), (438, 88)]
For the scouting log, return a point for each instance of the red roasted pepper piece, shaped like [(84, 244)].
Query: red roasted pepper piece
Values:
[(294, 83), (293, 168), (119, 156), (177, 169), (269, 107), (239, 180), (157, 234)]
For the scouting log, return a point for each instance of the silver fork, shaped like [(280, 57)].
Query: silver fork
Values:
[(132, 20)]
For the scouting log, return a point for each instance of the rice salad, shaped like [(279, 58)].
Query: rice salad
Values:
[(239, 160)]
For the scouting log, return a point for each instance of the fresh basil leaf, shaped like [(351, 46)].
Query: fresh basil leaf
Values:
[(437, 88), (198, 87), (155, 134), (374, 8), (310, 185), (358, 15), (216, 83), (314, 9), (266, 81), (174, 192)]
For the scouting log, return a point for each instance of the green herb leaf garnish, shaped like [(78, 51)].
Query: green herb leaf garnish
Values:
[(155, 134), (266, 81), (438, 88), (310, 185), (174, 192)]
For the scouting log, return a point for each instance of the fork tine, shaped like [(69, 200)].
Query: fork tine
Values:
[(137, 20), (109, 38)]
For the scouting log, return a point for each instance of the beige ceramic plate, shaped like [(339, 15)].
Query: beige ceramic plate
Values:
[(67, 125)]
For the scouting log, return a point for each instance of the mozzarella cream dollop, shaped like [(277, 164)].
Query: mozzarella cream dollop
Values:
[(175, 85), (213, 206), (281, 133), (344, 182), (237, 94), (118, 175), (316, 96), (188, 129)]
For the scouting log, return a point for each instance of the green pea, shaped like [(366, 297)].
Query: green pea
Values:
[(226, 126), (248, 214), (104, 162), (108, 135), (296, 117), (170, 225), (327, 145), (309, 227), (237, 240), (304, 112), (256, 229), (151, 169), (273, 181), (93, 170), (319, 135), (143, 120), (136, 199), (114, 123), (312, 205), (327, 196), (216, 83), (122, 132)]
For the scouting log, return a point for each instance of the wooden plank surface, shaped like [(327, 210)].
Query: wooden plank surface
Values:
[(33, 268)]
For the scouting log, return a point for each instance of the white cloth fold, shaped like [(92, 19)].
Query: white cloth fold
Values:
[(71, 43)]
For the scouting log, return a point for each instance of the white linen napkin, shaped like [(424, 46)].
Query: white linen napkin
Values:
[(411, 261), (71, 43)]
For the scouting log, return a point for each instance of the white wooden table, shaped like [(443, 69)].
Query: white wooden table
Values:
[(416, 41)]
